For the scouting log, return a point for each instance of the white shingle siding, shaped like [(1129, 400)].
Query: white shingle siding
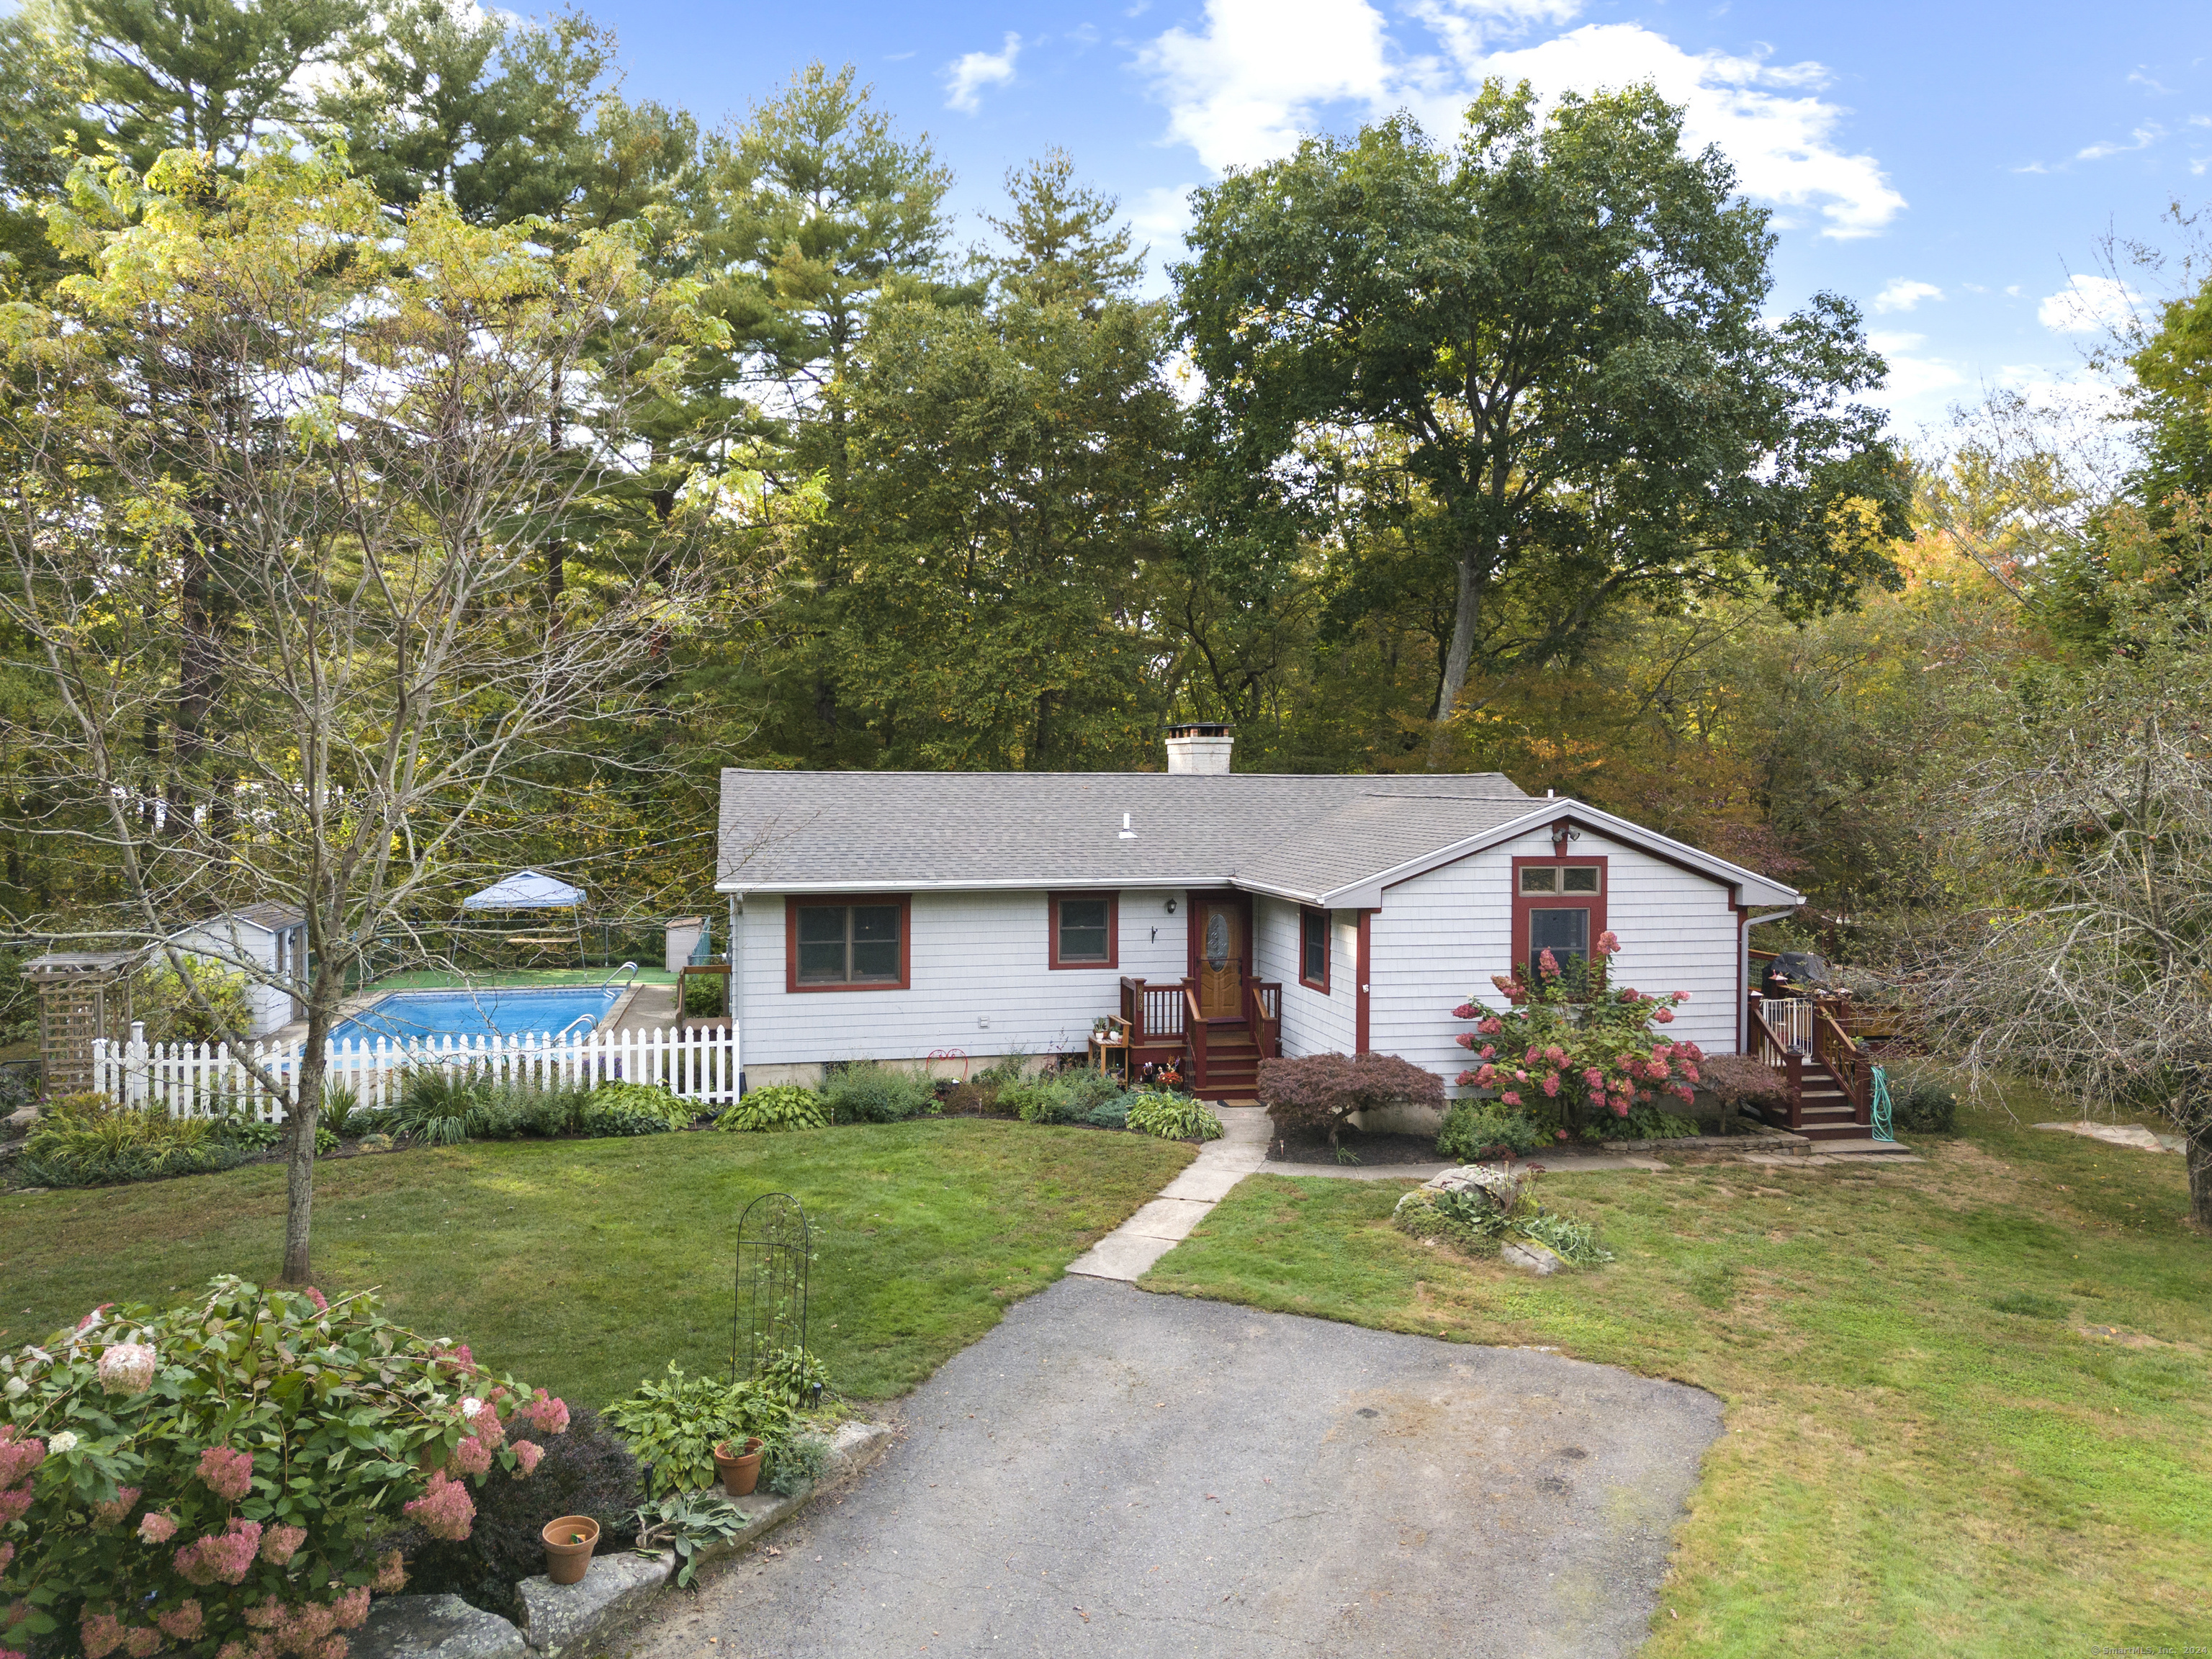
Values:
[(1312, 1023), (1439, 937), (971, 956)]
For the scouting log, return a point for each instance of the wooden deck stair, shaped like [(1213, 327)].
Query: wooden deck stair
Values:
[(1827, 1078), (1232, 1063)]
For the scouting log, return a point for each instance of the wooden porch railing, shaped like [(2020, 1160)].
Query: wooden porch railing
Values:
[(1154, 1011), (1773, 1051), (1194, 1036), (1834, 1048), (1263, 1016)]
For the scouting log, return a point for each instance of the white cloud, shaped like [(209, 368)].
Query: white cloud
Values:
[(2089, 305), (2142, 138), (1241, 90), (967, 75), (1888, 342), (1903, 294)]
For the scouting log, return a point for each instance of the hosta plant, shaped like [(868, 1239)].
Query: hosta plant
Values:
[(779, 1106), (222, 1478), (1571, 1046), (1173, 1117)]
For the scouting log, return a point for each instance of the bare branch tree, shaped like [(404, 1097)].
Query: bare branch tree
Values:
[(2092, 972), (287, 457)]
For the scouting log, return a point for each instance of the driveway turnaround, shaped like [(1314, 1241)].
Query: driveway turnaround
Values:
[(1113, 1472)]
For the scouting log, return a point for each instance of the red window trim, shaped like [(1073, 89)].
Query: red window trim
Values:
[(1113, 959), (1328, 947), (1524, 902), (790, 910)]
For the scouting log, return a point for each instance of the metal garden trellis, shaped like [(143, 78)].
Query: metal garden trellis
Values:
[(768, 1311)]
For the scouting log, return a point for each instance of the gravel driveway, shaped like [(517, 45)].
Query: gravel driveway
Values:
[(1115, 1473)]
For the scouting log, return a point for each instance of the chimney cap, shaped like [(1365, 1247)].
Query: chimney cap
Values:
[(1198, 728)]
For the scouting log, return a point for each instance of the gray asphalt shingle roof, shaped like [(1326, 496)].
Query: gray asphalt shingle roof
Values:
[(1293, 833)]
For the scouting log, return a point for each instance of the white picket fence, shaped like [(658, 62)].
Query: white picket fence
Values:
[(204, 1079)]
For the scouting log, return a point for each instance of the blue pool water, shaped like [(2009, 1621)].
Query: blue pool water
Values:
[(507, 1013)]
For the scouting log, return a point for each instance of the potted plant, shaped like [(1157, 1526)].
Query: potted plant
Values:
[(740, 1470), (570, 1540)]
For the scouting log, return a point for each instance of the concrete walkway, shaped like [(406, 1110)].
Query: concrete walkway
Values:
[(1127, 1253)]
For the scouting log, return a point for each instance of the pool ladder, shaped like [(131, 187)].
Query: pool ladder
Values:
[(629, 968)]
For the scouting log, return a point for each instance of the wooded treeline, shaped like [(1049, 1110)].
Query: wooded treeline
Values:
[(1462, 450)]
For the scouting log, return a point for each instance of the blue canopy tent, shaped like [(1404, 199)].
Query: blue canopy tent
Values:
[(533, 890)]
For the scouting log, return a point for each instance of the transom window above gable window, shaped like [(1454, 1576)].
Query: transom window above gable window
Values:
[(1562, 879)]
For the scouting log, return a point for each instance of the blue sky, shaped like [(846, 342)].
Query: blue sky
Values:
[(1950, 167)]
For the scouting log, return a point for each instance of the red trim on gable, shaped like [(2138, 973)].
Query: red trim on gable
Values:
[(1307, 913), (1113, 957), (791, 909), (1611, 835), (1359, 1021), (1525, 902)]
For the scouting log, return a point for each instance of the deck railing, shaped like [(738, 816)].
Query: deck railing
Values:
[(1194, 1036), (1263, 1016), (1790, 1019), (1834, 1048), (206, 1079), (1154, 1011), (1790, 1062)]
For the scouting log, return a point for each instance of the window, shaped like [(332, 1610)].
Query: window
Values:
[(1313, 949), (847, 944), (1562, 879), (1085, 930), (1559, 906), (1565, 933)]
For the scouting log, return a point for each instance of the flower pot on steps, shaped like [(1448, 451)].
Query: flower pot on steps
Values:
[(569, 1542), (740, 1471)]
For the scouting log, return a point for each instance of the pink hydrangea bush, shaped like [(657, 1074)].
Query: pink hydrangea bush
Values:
[(1573, 1050), (147, 1496)]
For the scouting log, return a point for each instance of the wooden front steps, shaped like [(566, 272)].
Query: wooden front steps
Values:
[(1828, 1112), (1231, 1068)]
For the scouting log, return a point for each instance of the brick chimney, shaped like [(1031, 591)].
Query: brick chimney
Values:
[(1199, 746)]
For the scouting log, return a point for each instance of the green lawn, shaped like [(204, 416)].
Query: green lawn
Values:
[(583, 1265), (1925, 1453)]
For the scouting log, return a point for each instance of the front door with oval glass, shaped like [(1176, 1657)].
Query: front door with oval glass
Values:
[(1220, 958)]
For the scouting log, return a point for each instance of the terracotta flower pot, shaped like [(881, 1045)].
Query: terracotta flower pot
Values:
[(569, 1542), (740, 1474)]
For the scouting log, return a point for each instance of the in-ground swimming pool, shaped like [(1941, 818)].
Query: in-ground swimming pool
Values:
[(503, 1012)]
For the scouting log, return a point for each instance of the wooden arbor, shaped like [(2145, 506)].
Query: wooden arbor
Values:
[(83, 995)]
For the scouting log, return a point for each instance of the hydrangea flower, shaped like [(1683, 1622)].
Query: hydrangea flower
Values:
[(444, 1510), (391, 1573), (280, 1544), (127, 1368), (19, 1456), (62, 1444), (228, 1475), (548, 1416), (100, 1632), (526, 1454), (157, 1528), (111, 1512), (471, 1456), (182, 1622), (223, 1557)]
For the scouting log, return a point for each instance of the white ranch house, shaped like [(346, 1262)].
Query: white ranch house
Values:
[(1218, 916)]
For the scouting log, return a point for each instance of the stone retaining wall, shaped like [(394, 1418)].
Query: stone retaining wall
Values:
[(570, 1619)]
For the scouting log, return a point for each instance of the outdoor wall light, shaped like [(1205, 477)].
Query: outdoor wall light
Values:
[(1170, 907)]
